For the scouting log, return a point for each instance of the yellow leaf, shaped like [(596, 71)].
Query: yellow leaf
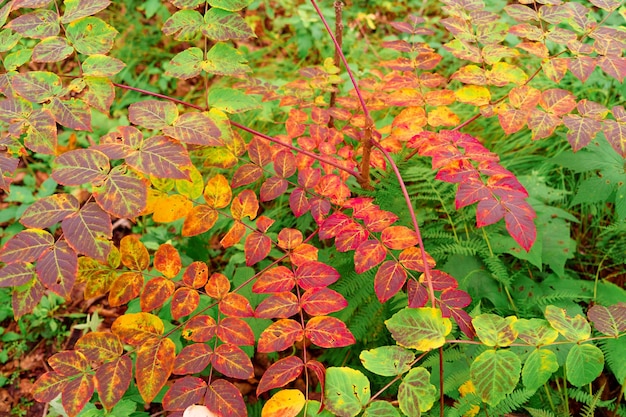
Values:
[(473, 94), (285, 403), (170, 208), (442, 116), (217, 192)]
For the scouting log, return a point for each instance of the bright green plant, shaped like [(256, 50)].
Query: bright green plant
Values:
[(281, 211)]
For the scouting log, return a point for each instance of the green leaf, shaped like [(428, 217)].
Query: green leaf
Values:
[(387, 360), (102, 66), (584, 364), (220, 25), (230, 5), (574, 329), (230, 100), (347, 391), (495, 373), (535, 332), (494, 330), (100, 93), (186, 64), (381, 409), (419, 328), (8, 39), (223, 59), (18, 58), (538, 368), (91, 35), (52, 49), (38, 24), (77, 9), (416, 394), (37, 86), (185, 25)]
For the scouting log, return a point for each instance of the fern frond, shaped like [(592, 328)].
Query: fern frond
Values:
[(535, 412), (590, 408), (589, 400), (613, 350), (512, 402)]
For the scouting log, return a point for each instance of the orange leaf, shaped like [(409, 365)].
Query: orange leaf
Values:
[(137, 328), (245, 204), (289, 238), (134, 253), (442, 116), (303, 253), (280, 335), (234, 235), (398, 237), (200, 329), (156, 293), (170, 208), (184, 302), (233, 362), (196, 274), (199, 220), (235, 331), (126, 287), (217, 192), (155, 362), (236, 305), (112, 381), (218, 286), (167, 260)]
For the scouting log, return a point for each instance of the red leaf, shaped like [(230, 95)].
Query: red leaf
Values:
[(273, 188), (280, 374), (161, 157), (246, 174), (328, 332), (26, 246), (184, 392), (320, 373), (278, 306), (519, 222), (280, 335), (231, 361), (236, 305), (68, 363), (26, 297), (398, 237), (235, 331), (155, 293), (418, 294), (200, 328), (88, 231), (368, 255), (302, 254), (315, 274), (389, 279), (378, 220), (225, 400), (196, 274), (470, 191), (47, 211), (488, 211), (351, 237), (192, 359), (112, 380), (184, 302), (76, 394), (256, 247), (299, 202), (322, 301), (16, 274), (464, 321), (441, 280), (49, 386), (333, 225), (284, 163), (277, 279), (453, 298), (309, 177), (289, 238), (100, 347)]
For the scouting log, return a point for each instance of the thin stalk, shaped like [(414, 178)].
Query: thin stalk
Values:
[(619, 398), (375, 143), (337, 60), (545, 386)]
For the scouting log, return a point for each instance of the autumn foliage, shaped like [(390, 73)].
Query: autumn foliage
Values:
[(190, 165)]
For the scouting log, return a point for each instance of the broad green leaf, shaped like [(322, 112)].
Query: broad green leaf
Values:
[(38, 24), (387, 360), (8, 39), (16, 59), (610, 321), (285, 403), (91, 35), (185, 25), (223, 59), (73, 113), (57, 269), (152, 114), (16, 274), (419, 328), (112, 381), (155, 361), (37, 86), (231, 101), (495, 373), (494, 330), (535, 332), (221, 25), (584, 364), (138, 328), (347, 391), (161, 157), (186, 64), (538, 368), (574, 329), (52, 49), (123, 193), (381, 409), (101, 66), (195, 128), (416, 394), (88, 231), (230, 5), (80, 166), (615, 358), (26, 297), (77, 9), (100, 93)]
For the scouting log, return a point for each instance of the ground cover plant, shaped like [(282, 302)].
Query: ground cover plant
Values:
[(288, 208)]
